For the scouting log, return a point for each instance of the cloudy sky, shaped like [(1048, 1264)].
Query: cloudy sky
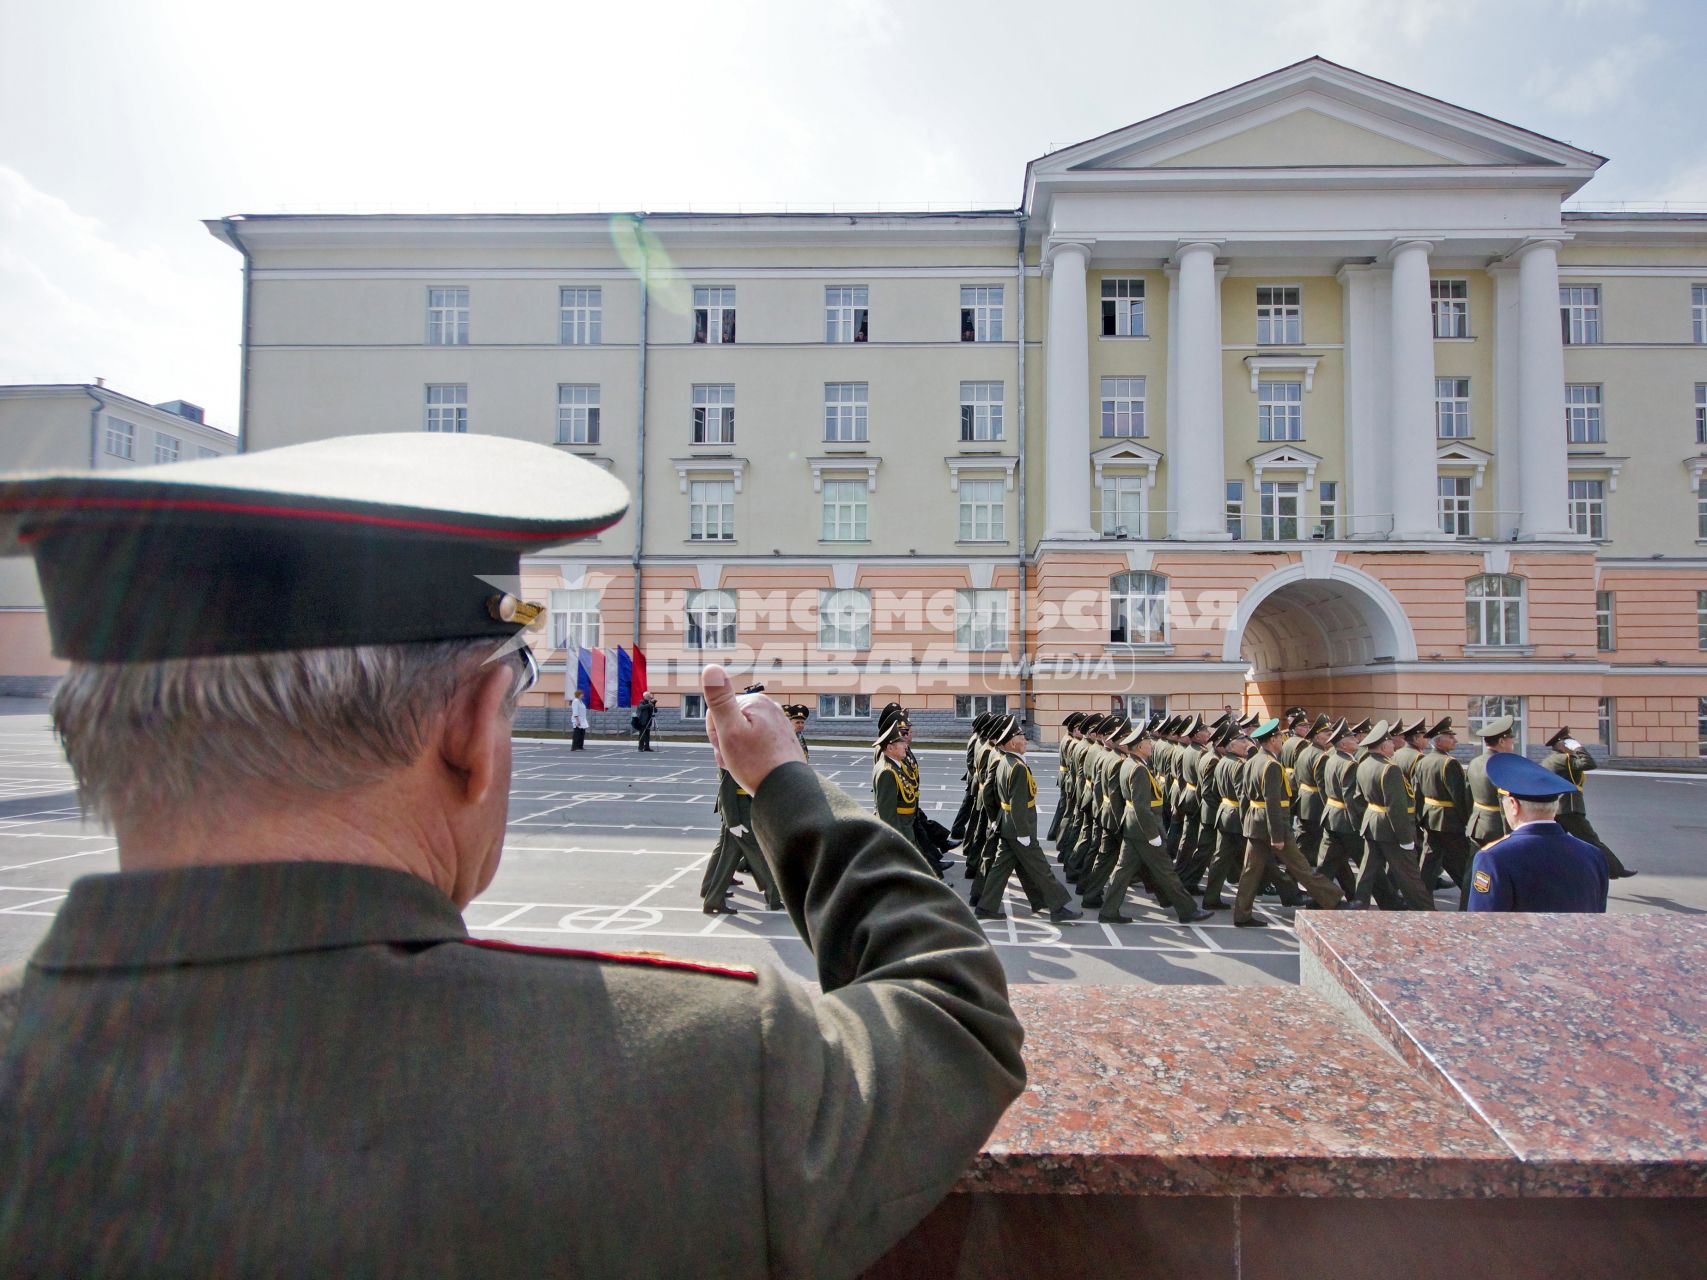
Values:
[(123, 123)]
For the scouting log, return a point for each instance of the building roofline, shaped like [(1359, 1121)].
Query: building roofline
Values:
[(128, 402)]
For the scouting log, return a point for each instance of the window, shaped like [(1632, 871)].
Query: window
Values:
[(1587, 507), (1698, 312), (847, 406), (845, 313), (844, 706), (711, 620), (1607, 722), (981, 313), (980, 411), (1491, 706), (1140, 706), (693, 706), (1280, 315), (844, 619), (580, 317), (714, 413), (1583, 423), (121, 438), (1493, 609), (969, 706), (1123, 309), (1137, 608), (1449, 301), (1328, 508), (1452, 408), (447, 317), (1701, 508), (1579, 313), (1454, 505), (981, 621), (1280, 411), (1701, 726), (1701, 413), (447, 406), (577, 413), (1123, 407), (713, 315), (1123, 507), (711, 510), (166, 448), (1278, 509), (1701, 619), (1236, 508), (983, 511), (845, 510), (574, 620), (1603, 635)]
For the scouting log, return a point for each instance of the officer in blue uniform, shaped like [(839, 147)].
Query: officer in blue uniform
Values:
[(1539, 866)]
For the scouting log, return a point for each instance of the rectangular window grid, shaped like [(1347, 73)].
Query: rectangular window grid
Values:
[(1137, 608), (1449, 301), (1236, 508), (166, 448), (980, 411), (580, 313), (202, 451), (447, 406), (844, 706), (447, 317), (983, 511), (574, 620), (1278, 510), (121, 438), (1603, 636), (713, 315), (1491, 706), (1140, 706), (1123, 308), (1701, 726), (1698, 312), (1583, 421), (969, 706), (847, 407), (1493, 608), (844, 620), (845, 509), (714, 413), (577, 413), (845, 313), (711, 618), (981, 313), (711, 510), (1123, 408), (1452, 408), (1607, 722), (1701, 508), (1280, 411), (1454, 505), (693, 706), (1328, 508), (1587, 507), (1701, 413), (1280, 315), (981, 621), (1123, 507), (1579, 313), (1701, 619)]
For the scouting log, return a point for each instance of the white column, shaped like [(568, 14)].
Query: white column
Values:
[(1411, 396), (1195, 452), (1544, 475), (1368, 500), (1067, 392), (1172, 414), (1504, 499)]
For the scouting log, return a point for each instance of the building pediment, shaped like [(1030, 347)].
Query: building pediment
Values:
[(1459, 455), (1286, 457), (1126, 454)]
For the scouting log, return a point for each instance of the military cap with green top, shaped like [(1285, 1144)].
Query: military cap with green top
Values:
[(357, 540), (1264, 730)]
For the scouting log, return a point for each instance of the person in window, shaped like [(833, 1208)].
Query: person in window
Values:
[(1540, 866)]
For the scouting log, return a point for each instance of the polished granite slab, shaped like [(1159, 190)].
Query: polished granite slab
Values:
[(1579, 1042)]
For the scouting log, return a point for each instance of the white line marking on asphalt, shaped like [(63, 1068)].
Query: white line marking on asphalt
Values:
[(23, 910), (66, 857), (509, 916)]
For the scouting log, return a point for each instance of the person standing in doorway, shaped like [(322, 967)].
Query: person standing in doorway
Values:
[(644, 713), (578, 723)]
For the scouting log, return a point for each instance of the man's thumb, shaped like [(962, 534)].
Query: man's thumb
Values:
[(719, 693)]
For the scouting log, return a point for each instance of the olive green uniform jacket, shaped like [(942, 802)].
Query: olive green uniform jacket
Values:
[(1387, 815), (1443, 794), (889, 788), (1268, 799), (309, 1069), (1487, 819), (1570, 765)]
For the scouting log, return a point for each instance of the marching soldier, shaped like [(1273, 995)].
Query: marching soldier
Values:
[(1308, 807), (1017, 790), (1061, 803), (1297, 737), (1444, 794), (964, 816), (1192, 863), (735, 806), (1487, 819), (1088, 834), (895, 795), (1389, 827), (1141, 838), (1412, 749), (1069, 804), (1110, 817), (1540, 866), (1229, 856), (1341, 850), (1268, 833), (1569, 759)]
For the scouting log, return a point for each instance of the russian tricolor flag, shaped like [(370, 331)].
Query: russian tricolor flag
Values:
[(610, 678)]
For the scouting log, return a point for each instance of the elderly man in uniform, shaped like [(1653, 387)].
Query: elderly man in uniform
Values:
[(1570, 760), (267, 1045), (1487, 821), (1389, 825), (1540, 866)]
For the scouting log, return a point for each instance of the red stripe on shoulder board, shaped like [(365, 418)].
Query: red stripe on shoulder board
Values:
[(619, 957)]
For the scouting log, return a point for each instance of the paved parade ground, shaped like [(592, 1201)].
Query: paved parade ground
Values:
[(606, 848)]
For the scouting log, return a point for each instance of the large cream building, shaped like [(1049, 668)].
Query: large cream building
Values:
[(1310, 391)]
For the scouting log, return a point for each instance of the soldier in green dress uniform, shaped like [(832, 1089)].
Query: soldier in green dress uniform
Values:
[(1487, 820), (1389, 826), (1444, 794), (895, 795), (1341, 849), (1141, 838), (1229, 857), (1017, 791), (1268, 832), (1570, 760), (1308, 807)]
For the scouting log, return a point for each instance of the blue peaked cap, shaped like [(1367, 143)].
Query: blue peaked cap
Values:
[(1522, 777)]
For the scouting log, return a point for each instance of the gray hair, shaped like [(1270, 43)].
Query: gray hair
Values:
[(157, 736), (1536, 810)]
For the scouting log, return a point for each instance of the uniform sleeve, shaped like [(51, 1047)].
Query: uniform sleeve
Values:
[(1398, 804), (886, 795), (1452, 776), (1583, 760), (878, 1093), (1488, 892)]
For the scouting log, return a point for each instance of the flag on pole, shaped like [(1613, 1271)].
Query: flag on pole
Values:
[(584, 675), (607, 677), (637, 681), (596, 680), (624, 678)]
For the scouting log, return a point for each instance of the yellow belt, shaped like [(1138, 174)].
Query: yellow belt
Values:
[(1335, 804), (1157, 804), (1379, 808), (1191, 786), (1305, 786), (1006, 808), (1438, 804), (1257, 804), (899, 809), (1234, 803), (1486, 808)]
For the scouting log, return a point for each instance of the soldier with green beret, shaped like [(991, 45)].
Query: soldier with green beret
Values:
[(1268, 832)]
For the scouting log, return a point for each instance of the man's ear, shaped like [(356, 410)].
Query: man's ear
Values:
[(477, 731)]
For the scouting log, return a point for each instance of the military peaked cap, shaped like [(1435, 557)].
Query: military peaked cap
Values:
[(1498, 727), (890, 714), (890, 732), (1380, 732), (1318, 724), (1264, 730), (1339, 730), (1557, 738), (1442, 726)]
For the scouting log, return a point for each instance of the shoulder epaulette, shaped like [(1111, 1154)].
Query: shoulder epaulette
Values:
[(645, 958)]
